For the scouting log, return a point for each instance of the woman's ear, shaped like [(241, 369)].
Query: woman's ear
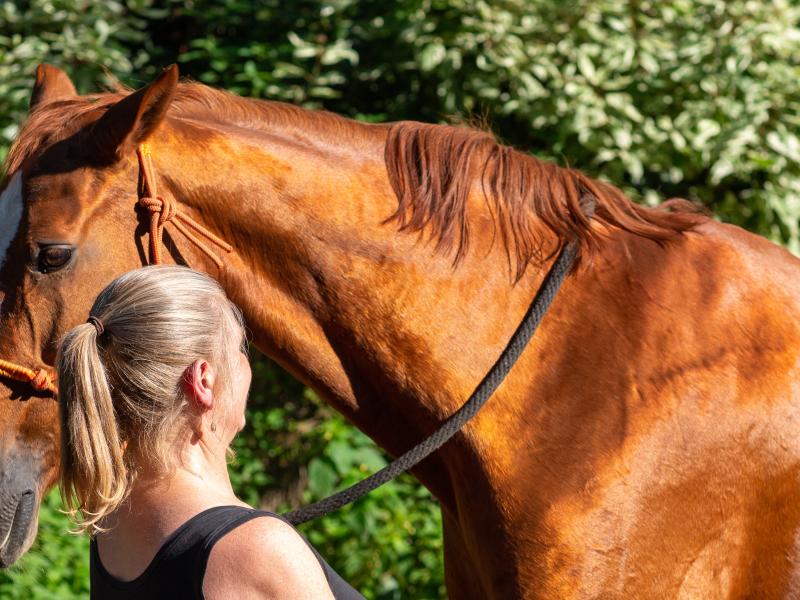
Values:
[(198, 384)]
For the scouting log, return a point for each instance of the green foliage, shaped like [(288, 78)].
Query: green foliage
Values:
[(388, 545), (692, 98), (88, 39), (265, 49)]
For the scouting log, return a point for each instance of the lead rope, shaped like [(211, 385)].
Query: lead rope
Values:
[(533, 317), (162, 211)]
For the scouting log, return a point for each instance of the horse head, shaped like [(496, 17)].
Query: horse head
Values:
[(68, 226)]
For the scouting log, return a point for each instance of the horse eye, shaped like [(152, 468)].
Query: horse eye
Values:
[(52, 258)]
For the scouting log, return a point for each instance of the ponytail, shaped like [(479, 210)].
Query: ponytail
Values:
[(121, 399), (94, 477)]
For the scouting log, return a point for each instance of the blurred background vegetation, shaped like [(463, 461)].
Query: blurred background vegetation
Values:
[(691, 98)]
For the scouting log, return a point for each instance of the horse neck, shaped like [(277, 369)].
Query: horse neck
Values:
[(375, 321)]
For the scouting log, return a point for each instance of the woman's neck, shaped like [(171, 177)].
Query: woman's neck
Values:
[(157, 505), (199, 479)]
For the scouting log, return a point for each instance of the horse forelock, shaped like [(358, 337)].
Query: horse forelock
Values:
[(51, 123)]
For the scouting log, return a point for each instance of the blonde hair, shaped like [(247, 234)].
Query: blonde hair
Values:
[(120, 391)]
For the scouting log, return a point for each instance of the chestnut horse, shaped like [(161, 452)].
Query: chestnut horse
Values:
[(645, 445)]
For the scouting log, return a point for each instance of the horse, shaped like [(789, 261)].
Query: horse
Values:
[(644, 446)]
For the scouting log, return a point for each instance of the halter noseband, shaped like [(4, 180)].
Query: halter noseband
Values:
[(40, 379)]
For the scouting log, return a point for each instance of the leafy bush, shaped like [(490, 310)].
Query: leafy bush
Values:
[(692, 98), (87, 39)]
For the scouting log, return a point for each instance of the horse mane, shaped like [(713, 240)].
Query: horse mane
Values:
[(433, 169), (198, 101)]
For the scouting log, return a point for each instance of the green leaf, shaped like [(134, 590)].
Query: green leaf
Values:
[(322, 478)]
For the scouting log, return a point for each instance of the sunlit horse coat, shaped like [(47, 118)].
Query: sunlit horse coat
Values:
[(644, 447)]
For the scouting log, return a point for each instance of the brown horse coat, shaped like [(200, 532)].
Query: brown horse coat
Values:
[(645, 445)]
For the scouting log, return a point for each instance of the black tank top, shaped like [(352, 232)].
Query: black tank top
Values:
[(177, 570)]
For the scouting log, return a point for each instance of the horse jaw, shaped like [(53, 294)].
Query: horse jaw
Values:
[(29, 458)]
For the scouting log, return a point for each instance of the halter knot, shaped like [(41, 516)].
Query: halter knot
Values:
[(160, 207), (41, 381), (164, 210)]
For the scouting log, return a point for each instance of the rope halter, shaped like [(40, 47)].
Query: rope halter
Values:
[(162, 210)]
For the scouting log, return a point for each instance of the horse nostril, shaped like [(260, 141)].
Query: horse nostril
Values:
[(26, 506), (15, 514)]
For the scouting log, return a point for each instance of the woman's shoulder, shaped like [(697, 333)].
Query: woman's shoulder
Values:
[(264, 557)]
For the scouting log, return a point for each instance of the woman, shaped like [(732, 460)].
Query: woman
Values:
[(152, 391)]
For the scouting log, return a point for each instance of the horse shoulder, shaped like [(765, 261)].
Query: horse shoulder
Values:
[(674, 406)]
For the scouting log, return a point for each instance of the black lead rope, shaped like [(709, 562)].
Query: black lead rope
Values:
[(541, 302)]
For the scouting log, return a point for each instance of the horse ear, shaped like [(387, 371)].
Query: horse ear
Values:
[(51, 84), (133, 119)]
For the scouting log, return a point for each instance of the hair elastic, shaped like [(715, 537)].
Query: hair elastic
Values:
[(98, 324)]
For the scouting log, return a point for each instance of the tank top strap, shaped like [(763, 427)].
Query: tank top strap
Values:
[(178, 568), (207, 529), (210, 526), (340, 588)]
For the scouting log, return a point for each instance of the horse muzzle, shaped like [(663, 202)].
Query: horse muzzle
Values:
[(18, 519)]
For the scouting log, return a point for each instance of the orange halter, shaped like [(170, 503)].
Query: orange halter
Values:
[(40, 380), (162, 211)]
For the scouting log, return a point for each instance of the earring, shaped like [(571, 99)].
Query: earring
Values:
[(213, 426)]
